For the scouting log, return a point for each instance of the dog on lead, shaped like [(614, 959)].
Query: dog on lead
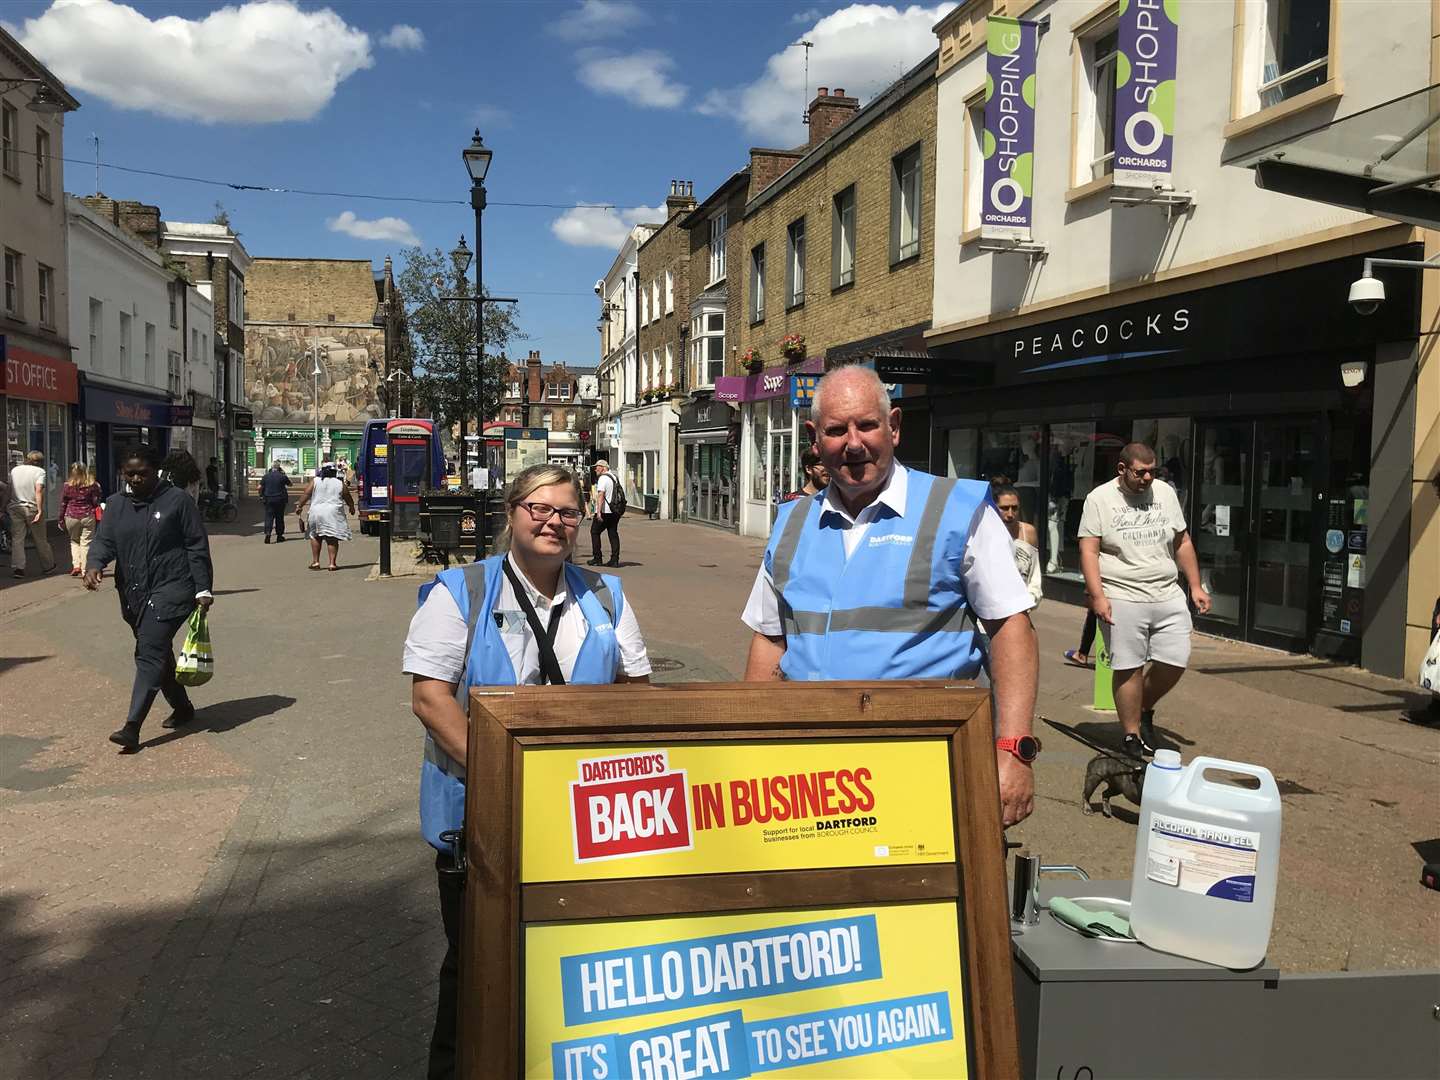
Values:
[(1121, 776)]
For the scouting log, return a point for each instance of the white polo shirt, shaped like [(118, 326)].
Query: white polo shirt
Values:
[(993, 587), (435, 645)]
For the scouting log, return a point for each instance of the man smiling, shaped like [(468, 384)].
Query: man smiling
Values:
[(882, 575)]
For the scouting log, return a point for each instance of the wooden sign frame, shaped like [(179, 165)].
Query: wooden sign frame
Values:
[(506, 721)]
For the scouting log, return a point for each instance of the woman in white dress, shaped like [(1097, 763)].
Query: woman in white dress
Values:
[(328, 500)]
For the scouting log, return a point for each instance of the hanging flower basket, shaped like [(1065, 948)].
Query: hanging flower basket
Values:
[(750, 358), (792, 346)]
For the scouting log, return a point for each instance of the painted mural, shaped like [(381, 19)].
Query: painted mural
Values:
[(280, 386)]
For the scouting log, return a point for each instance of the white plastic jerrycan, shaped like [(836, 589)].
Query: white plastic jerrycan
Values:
[(1207, 860)]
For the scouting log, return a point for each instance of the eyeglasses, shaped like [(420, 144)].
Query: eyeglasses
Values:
[(1140, 474), (543, 512)]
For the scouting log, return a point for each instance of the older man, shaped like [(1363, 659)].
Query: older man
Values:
[(882, 575)]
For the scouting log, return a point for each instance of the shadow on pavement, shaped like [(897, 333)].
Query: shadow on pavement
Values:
[(316, 960), (233, 592), (8, 662), (222, 716)]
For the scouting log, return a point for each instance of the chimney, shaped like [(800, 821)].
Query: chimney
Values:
[(768, 165), (136, 218), (681, 199), (828, 113)]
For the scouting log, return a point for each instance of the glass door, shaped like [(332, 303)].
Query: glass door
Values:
[(1220, 521)]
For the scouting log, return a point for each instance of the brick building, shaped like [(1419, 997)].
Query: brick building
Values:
[(536, 396), (664, 262)]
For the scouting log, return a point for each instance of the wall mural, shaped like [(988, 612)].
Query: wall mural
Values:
[(280, 388)]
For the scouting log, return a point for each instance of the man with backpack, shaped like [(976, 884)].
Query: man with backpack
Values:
[(609, 498)]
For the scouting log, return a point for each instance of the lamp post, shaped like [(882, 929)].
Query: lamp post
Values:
[(477, 163), (315, 358), (460, 258)]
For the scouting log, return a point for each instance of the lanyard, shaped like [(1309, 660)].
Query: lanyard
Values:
[(545, 638)]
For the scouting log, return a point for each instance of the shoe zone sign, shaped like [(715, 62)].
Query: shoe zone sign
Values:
[(1009, 137), (1145, 92)]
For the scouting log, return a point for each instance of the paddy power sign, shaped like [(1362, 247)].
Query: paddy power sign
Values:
[(1009, 139), (1145, 92)]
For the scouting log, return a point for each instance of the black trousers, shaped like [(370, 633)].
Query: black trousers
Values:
[(275, 515), (155, 665), (1087, 634), (603, 523), (447, 1008)]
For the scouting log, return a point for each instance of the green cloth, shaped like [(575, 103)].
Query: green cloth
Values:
[(1095, 923)]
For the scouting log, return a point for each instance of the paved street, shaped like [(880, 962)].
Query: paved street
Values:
[(250, 897)]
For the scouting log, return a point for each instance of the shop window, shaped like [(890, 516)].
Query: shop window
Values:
[(842, 238), (795, 264), (905, 205), (1082, 457), (759, 441)]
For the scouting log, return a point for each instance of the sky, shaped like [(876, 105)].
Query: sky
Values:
[(592, 106)]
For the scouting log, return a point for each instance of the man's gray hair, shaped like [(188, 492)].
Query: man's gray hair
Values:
[(850, 373)]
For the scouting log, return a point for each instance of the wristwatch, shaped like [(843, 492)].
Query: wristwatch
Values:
[(1026, 747)]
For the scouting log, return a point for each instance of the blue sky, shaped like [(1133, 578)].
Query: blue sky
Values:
[(583, 101)]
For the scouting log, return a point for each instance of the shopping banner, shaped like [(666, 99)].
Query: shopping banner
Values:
[(713, 808), (1009, 138), (863, 992), (1145, 92)]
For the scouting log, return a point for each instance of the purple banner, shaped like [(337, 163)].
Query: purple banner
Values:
[(770, 383), (1145, 92), (1009, 138)]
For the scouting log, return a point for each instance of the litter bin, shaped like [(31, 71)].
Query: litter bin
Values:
[(442, 515)]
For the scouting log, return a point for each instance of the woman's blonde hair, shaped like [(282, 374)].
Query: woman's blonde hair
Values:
[(530, 480), (81, 475)]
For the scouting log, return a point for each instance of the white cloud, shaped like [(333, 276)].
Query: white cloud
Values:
[(491, 116), (598, 19), (807, 16), (405, 38), (862, 48), (641, 78), (602, 226), (394, 229), (258, 62)]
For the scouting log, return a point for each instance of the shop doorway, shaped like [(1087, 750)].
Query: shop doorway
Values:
[(1254, 520)]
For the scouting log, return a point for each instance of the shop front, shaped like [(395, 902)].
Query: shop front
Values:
[(1270, 405), (297, 449), (709, 434), (38, 393), (773, 410), (115, 419), (646, 457)]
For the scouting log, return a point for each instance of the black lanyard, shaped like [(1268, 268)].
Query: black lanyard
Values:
[(544, 637)]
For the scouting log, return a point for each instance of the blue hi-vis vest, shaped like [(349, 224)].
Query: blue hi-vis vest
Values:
[(896, 608), (442, 778)]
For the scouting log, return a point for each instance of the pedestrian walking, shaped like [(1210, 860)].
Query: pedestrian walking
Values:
[(1133, 545), (156, 540), (328, 501), (815, 473), (275, 496), (212, 475), (524, 616), (609, 501), (1081, 657), (183, 471), (1024, 540), (835, 598), (26, 512), (79, 505)]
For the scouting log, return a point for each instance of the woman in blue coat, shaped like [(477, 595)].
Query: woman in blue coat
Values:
[(523, 617)]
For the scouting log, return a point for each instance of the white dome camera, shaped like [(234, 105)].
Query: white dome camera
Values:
[(599, 286), (1367, 294)]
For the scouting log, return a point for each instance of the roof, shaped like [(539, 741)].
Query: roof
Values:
[(723, 191), (25, 60)]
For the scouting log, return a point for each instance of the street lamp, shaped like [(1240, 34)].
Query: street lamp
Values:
[(398, 376), (46, 101), (315, 354), (477, 163), (460, 259)]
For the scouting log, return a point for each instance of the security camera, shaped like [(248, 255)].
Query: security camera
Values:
[(599, 286), (1367, 294)]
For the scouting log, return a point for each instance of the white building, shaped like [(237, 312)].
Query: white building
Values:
[(1207, 318), (133, 316)]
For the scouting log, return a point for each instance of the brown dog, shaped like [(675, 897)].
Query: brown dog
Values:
[(1120, 777)]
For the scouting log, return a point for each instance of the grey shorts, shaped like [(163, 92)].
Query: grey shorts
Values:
[(1156, 631)]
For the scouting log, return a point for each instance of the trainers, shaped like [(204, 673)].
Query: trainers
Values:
[(17, 573), (1135, 748), (1147, 731)]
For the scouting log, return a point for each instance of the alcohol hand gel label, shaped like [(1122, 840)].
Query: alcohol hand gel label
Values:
[(1199, 858)]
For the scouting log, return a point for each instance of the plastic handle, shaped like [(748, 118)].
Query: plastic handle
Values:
[(1198, 766)]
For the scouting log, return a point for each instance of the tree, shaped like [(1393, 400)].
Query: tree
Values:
[(442, 337)]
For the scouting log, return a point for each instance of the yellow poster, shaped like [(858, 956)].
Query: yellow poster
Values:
[(605, 812), (859, 993)]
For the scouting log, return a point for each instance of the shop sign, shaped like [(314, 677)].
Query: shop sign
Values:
[(1145, 92), (706, 415), (802, 390), (1009, 136), (723, 996), (770, 383), (108, 407), (37, 377), (182, 415), (244, 420), (728, 808)]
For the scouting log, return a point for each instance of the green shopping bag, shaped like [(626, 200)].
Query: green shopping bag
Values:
[(196, 665)]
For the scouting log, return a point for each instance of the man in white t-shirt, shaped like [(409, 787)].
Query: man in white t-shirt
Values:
[(605, 519), (1133, 545), (26, 514)]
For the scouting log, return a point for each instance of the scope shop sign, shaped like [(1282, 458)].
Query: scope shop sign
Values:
[(866, 992), (712, 808)]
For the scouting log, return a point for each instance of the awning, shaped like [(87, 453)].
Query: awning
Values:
[(1383, 161)]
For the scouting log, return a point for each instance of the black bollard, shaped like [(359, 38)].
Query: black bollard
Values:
[(384, 544)]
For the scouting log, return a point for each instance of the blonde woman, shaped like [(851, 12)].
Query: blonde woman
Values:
[(79, 502), (525, 616)]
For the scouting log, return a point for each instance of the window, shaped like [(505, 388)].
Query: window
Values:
[(1103, 53), (97, 342), (757, 284), (47, 296), (842, 238), (717, 247), (125, 321), (12, 285), (905, 205), (795, 264), (570, 420), (515, 388), (669, 292), (42, 162), (237, 299), (644, 307), (175, 288), (707, 346), (974, 161), (564, 391), (10, 141), (655, 299), (669, 377), (173, 373), (150, 353), (1296, 54)]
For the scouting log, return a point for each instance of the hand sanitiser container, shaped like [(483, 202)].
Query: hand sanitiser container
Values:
[(1207, 859)]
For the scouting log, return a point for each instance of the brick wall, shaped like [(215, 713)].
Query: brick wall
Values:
[(883, 297), (736, 260), (667, 250), (317, 291), (139, 219)]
